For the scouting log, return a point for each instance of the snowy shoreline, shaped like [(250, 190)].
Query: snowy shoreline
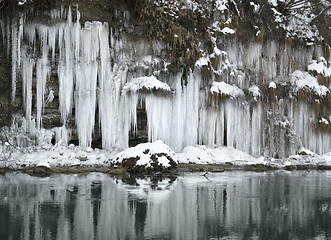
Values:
[(154, 157)]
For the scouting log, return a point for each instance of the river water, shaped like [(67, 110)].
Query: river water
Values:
[(228, 205)]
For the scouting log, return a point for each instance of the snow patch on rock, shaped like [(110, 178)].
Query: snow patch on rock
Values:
[(255, 91), (226, 89), (303, 80), (148, 83), (321, 67), (147, 156)]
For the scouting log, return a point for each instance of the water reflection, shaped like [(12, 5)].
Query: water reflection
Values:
[(239, 205)]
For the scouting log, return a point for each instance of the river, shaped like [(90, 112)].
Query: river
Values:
[(228, 205)]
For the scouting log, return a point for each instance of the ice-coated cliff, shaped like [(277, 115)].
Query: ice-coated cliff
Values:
[(265, 97)]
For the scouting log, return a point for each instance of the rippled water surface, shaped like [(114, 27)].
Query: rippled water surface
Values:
[(229, 205)]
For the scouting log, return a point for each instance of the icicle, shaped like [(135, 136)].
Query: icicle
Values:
[(62, 135), (42, 72), (27, 71), (3, 31), (14, 44), (106, 95), (175, 120), (86, 83), (256, 130), (114, 111), (9, 32), (19, 40), (65, 73), (52, 34)]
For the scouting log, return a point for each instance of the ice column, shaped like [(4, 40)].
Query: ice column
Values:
[(86, 83), (27, 71), (42, 72)]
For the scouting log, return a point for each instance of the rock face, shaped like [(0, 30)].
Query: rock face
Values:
[(180, 71)]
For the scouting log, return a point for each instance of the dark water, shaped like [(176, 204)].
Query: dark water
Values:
[(230, 205)]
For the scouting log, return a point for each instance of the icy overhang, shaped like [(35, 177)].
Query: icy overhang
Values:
[(150, 83), (226, 89), (303, 80)]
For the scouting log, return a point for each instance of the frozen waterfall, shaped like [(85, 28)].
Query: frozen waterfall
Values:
[(87, 66)]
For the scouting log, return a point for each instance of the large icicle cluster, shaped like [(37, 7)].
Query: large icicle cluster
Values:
[(99, 77), (80, 57)]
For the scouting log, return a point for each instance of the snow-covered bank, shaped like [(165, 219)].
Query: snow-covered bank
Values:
[(152, 156)]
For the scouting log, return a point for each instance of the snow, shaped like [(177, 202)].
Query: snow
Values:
[(255, 91), (203, 61), (272, 2), (324, 121), (229, 155), (69, 156), (203, 155), (226, 89), (228, 30), (58, 156), (93, 63), (221, 5), (144, 152), (21, 2), (272, 85), (256, 6), (302, 80), (147, 83), (321, 67)]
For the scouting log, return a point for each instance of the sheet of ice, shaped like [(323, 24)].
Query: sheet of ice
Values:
[(148, 83)]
